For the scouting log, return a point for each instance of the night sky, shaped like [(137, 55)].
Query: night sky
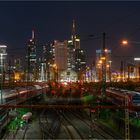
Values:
[(53, 20)]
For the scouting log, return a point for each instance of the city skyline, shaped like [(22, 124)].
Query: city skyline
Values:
[(53, 21)]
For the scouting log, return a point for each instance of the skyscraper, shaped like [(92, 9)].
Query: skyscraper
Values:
[(80, 59), (17, 64), (99, 64), (73, 45), (31, 58), (48, 53), (61, 54), (3, 54), (76, 55), (48, 59), (74, 40)]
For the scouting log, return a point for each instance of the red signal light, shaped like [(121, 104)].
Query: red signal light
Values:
[(93, 110), (53, 92)]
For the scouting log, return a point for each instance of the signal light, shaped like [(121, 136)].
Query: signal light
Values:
[(93, 110), (53, 92)]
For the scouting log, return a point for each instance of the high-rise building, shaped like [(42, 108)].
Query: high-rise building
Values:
[(31, 58), (17, 64), (73, 45), (80, 63), (76, 55), (48, 59), (3, 55), (71, 54), (42, 70), (74, 39), (18, 73), (60, 59), (80, 60), (48, 53), (60, 51), (64, 58), (99, 64)]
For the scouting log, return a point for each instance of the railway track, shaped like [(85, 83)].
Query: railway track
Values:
[(49, 129), (69, 128), (101, 131), (19, 133)]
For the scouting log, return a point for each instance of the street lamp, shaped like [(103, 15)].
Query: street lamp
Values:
[(110, 73), (48, 72), (103, 68), (126, 42)]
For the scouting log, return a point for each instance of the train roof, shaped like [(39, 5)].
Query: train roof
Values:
[(133, 93), (124, 91), (37, 86), (8, 91)]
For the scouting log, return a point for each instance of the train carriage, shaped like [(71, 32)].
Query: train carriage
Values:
[(118, 97)]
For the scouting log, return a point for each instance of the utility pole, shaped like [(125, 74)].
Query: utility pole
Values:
[(127, 129), (1, 84), (139, 71), (122, 70), (9, 71), (103, 68), (28, 64), (128, 72)]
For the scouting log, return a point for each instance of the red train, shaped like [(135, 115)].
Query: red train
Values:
[(117, 96)]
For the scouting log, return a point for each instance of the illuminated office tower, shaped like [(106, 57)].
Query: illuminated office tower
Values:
[(80, 60), (73, 45), (43, 72), (48, 59), (17, 70), (48, 54), (80, 63), (3, 55), (99, 65), (60, 59), (17, 64), (71, 54), (31, 58), (60, 54), (75, 41)]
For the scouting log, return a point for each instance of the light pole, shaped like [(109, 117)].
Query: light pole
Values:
[(103, 92), (125, 43), (110, 73), (48, 72), (1, 77)]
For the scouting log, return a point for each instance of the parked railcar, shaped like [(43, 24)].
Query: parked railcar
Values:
[(22, 94), (118, 97)]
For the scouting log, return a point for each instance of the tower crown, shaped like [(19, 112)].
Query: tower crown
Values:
[(33, 34), (73, 36)]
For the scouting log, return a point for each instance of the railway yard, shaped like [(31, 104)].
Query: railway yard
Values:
[(70, 112), (61, 125)]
